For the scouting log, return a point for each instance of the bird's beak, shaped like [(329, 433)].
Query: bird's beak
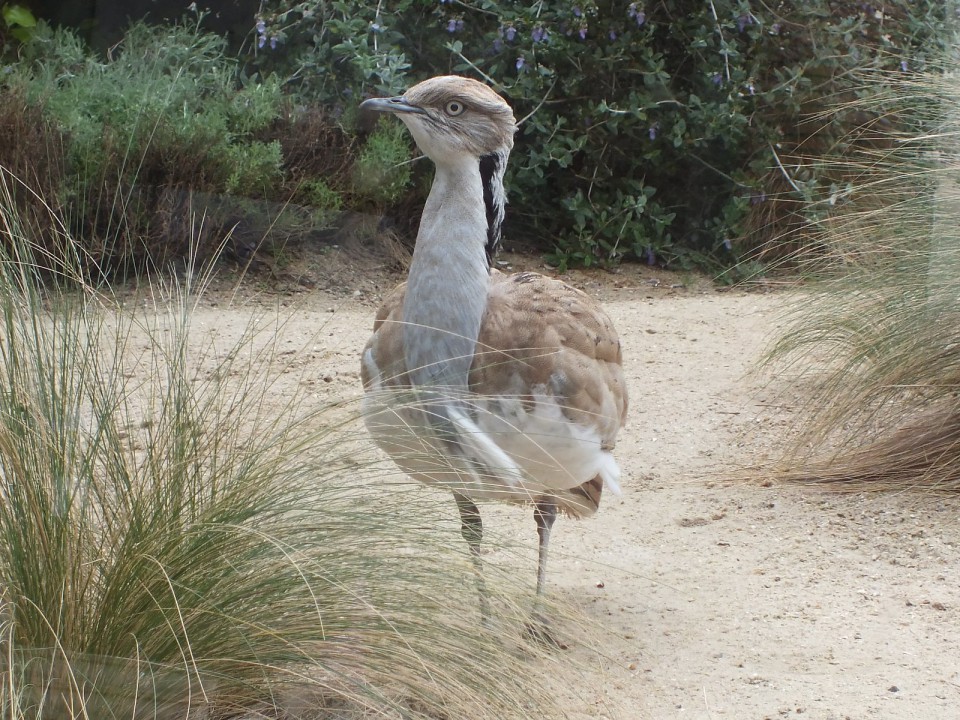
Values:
[(391, 105)]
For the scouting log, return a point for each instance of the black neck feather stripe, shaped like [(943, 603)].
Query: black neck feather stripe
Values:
[(491, 174)]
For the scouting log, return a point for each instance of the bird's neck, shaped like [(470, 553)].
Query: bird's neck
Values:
[(449, 276)]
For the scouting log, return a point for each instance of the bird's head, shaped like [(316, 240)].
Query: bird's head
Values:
[(451, 117)]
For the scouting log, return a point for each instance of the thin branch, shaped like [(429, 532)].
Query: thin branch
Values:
[(719, 172), (723, 41), (539, 105), (784, 170), (477, 70)]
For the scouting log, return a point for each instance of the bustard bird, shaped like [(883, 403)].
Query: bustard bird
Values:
[(505, 387)]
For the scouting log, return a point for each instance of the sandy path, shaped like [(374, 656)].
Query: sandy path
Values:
[(716, 600)]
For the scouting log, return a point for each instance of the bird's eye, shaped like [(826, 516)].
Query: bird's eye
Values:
[(454, 108)]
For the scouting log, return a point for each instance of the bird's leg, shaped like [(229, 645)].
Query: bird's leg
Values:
[(471, 527), (545, 513)]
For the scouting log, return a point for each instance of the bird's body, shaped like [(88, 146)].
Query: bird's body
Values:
[(497, 387), (543, 386)]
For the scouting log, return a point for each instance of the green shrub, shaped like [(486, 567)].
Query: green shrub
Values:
[(669, 132), (382, 173), (660, 124), (159, 121), (18, 22), (256, 168), (325, 203), (332, 53)]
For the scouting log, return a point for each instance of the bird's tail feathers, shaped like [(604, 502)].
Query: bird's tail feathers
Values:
[(609, 472)]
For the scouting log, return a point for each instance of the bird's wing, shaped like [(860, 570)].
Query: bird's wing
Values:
[(550, 358), (547, 335), (383, 358)]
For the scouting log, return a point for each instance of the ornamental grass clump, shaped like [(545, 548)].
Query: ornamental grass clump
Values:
[(873, 343), (181, 537)]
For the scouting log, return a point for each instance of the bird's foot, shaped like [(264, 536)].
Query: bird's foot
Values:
[(537, 630)]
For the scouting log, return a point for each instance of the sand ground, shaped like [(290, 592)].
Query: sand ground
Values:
[(749, 600)]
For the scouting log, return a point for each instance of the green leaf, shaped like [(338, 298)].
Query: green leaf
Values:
[(18, 16)]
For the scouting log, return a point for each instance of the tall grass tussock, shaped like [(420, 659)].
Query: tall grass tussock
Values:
[(180, 539), (872, 342)]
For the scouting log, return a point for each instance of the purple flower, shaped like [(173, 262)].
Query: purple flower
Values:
[(757, 199), (650, 256), (583, 33), (261, 27), (510, 33), (743, 21), (273, 42), (903, 65), (454, 25), (497, 45), (520, 63), (577, 12), (261, 41), (375, 27), (637, 14), (717, 79), (613, 34), (652, 130), (539, 34), (775, 29), (751, 89), (727, 244)]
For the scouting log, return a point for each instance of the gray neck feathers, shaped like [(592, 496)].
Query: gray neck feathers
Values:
[(448, 282)]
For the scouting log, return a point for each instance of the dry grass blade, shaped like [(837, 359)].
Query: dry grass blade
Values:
[(924, 455), (873, 345)]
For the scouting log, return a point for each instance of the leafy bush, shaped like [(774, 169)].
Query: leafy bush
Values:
[(255, 168), (18, 22), (332, 53), (142, 140), (667, 132), (675, 134), (382, 173)]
